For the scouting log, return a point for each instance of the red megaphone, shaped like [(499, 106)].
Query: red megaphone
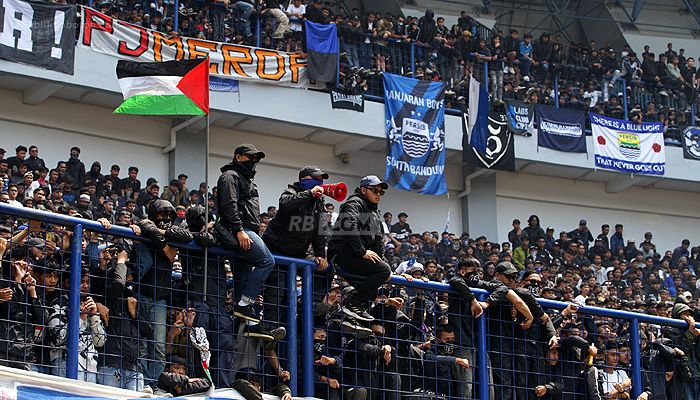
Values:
[(336, 191)]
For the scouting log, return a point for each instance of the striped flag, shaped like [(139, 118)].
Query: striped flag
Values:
[(478, 115)]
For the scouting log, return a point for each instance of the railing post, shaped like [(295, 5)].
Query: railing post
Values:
[(556, 91), (76, 250), (413, 59), (636, 359), (257, 31), (307, 332), (692, 114), (486, 76), (292, 338), (624, 97), (176, 17), (482, 355)]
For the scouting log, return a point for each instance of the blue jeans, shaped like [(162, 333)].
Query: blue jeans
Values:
[(525, 65), (120, 378), (262, 261), (152, 350), (59, 369), (246, 9)]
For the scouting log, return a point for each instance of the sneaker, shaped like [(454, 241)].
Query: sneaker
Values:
[(256, 331), (279, 333), (663, 93), (353, 327), (158, 392), (246, 312), (357, 313), (147, 389), (526, 78)]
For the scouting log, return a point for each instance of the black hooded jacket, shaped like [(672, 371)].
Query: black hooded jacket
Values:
[(427, 27), (357, 229), (297, 224), (237, 198)]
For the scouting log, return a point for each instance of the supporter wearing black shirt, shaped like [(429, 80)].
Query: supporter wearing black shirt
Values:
[(34, 163), (582, 234), (14, 161), (75, 169), (401, 230)]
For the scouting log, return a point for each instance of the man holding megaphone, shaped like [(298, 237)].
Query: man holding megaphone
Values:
[(298, 225)]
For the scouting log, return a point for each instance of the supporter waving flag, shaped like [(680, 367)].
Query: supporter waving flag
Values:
[(164, 88)]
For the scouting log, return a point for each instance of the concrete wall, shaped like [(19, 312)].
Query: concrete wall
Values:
[(560, 203)]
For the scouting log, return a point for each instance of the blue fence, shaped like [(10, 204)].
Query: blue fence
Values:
[(409, 328)]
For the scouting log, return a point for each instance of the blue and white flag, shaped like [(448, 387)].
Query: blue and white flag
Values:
[(478, 128), (628, 147), (415, 129), (218, 84), (560, 129)]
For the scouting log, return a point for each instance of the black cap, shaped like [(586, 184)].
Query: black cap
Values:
[(312, 171), (249, 149), (506, 268), (373, 180), (582, 222)]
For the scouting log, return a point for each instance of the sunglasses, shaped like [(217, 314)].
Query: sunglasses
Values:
[(377, 191), (535, 282), (511, 277)]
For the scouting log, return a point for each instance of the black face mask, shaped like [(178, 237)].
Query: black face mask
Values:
[(249, 165), (164, 223), (445, 348), (535, 290), (472, 277)]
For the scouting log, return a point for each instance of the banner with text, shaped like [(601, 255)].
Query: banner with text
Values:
[(521, 117), (560, 129), (107, 35), (628, 147), (415, 128), (37, 33), (500, 146), (346, 101)]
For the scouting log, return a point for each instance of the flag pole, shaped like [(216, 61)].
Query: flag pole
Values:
[(206, 205)]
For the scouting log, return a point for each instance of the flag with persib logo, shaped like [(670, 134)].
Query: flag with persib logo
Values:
[(628, 147), (415, 129)]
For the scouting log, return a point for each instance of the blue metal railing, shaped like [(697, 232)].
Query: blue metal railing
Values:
[(306, 363)]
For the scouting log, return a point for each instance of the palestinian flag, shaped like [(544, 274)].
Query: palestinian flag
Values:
[(164, 88)]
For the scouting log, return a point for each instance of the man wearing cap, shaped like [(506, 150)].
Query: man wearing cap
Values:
[(239, 225), (29, 184), (357, 242), (582, 234), (298, 224)]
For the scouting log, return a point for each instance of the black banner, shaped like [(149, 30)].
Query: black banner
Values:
[(39, 34), (691, 143), (346, 101), (521, 117), (500, 148)]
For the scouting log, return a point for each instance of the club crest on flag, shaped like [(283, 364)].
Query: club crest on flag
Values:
[(629, 144), (691, 142), (415, 137)]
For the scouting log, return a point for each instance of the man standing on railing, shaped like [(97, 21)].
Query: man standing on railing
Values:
[(356, 244), (238, 229), (299, 223)]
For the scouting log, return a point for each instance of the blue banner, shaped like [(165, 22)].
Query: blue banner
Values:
[(561, 129), (415, 129)]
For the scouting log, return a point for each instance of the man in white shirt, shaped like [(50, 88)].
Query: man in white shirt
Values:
[(410, 263), (295, 12), (12, 192)]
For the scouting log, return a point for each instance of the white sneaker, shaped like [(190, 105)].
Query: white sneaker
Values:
[(526, 78)]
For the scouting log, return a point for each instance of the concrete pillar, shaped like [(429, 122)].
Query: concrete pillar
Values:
[(479, 209), (188, 157)]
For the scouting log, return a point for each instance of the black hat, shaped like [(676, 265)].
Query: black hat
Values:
[(373, 180), (582, 222), (506, 268), (249, 149), (312, 171)]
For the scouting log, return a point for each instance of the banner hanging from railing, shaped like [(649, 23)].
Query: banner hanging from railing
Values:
[(560, 129), (500, 146), (521, 117), (107, 35), (691, 143), (415, 128), (628, 147)]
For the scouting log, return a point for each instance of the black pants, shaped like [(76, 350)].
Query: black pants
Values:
[(355, 269)]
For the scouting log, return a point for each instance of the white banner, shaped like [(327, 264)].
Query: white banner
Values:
[(107, 35), (628, 147)]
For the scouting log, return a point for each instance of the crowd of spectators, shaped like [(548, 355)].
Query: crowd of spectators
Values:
[(405, 340)]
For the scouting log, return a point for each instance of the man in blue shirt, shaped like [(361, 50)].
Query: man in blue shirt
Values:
[(616, 239), (526, 60)]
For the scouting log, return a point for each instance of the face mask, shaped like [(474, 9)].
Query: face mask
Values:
[(307, 184), (181, 214), (446, 240), (445, 348), (411, 261), (472, 277), (535, 290), (249, 165), (164, 223)]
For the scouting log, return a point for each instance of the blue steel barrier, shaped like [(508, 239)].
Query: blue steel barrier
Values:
[(79, 225), (307, 360)]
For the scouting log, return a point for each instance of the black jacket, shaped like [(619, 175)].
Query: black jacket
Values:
[(237, 199), (75, 169), (121, 350), (20, 316), (461, 318), (357, 229), (298, 224)]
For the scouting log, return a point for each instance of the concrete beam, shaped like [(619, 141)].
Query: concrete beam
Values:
[(621, 183), (350, 145), (39, 92)]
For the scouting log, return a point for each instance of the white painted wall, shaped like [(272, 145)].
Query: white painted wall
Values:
[(670, 215)]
